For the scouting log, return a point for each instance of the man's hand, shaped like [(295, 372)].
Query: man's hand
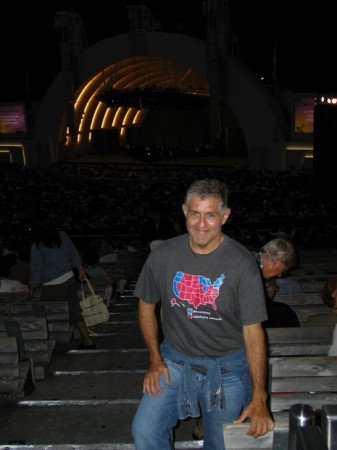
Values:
[(261, 421), (151, 383)]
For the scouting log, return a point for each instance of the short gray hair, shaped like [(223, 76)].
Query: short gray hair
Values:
[(208, 188), (281, 249)]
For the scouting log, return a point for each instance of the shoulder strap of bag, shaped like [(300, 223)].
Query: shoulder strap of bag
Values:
[(90, 287)]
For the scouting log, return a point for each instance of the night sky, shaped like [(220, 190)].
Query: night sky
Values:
[(302, 31)]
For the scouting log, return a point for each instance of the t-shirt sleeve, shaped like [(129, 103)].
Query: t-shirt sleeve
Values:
[(147, 285), (252, 303)]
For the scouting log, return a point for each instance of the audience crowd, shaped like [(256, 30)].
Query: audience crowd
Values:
[(112, 200)]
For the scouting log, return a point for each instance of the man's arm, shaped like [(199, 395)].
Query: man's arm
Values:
[(149, 328), (257, 410)]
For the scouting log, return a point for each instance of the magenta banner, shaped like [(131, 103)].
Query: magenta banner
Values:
[(12, 119)]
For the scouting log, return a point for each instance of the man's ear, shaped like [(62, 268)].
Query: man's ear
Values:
[(226, 215), (184, 208)]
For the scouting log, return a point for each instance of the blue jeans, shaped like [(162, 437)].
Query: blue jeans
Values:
[(156, 416)]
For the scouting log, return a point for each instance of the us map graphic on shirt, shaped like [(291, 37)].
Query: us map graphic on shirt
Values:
[(196, 290)]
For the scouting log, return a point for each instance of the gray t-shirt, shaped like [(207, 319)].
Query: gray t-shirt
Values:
[(205, 299)]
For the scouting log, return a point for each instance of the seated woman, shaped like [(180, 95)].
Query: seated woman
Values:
[(329, 298)]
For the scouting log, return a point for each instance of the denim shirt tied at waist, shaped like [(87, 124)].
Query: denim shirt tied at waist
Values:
[(211, 367)]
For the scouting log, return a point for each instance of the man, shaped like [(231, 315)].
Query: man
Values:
[(212, 360), (276, 257)]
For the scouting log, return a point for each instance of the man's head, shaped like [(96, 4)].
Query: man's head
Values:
[(206, 210), (208, 188), (278, 256)]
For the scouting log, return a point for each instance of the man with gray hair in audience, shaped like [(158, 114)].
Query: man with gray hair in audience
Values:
[(276, 258)]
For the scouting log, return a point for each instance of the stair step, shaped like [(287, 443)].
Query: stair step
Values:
[(77, 423)]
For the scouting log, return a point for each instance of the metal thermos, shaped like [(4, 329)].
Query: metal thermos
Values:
[(300, 415)]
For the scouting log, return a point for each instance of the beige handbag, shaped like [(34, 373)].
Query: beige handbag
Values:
[(94, 310)]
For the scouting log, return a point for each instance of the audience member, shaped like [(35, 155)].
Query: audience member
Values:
[(279, 314), (276, 257), (102, 281), (329, 298), (108, 252), (53, 259), (7, 284)]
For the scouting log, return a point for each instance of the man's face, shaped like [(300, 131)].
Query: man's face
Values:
[(272, 267), (204, 219)]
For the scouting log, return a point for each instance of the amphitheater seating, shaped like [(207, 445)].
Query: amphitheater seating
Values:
[(304, 379), (295, 341), (33, 339), (56, 313), (36, 325)]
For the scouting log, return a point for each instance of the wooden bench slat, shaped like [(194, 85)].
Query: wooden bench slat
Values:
[(55, 312), (9, 370), (27, 323), (295, 349), (295, 341), (300, 365), (302, 379), (13, 296), (304, 384), (9, 358), (303, 335)]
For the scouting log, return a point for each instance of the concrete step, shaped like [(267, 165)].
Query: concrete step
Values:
[(69, 386), (76, 422), (100, 360), (89, 398)]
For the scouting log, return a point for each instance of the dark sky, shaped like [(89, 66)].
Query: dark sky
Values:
[(304, 32)]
